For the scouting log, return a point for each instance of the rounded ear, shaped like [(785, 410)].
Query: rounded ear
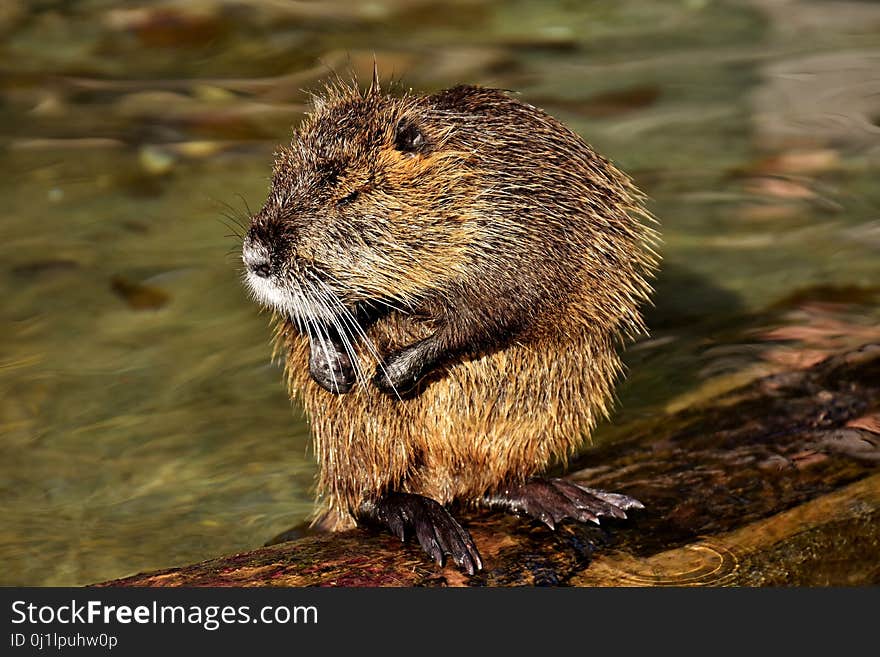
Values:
[(408, 138)]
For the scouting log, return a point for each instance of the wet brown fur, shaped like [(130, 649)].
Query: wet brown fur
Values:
[(508, 222)]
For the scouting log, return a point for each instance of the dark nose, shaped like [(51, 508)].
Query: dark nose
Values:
[(260, 268)]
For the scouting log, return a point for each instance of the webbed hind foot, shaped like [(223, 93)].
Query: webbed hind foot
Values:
[(437, 531), (553, 500)]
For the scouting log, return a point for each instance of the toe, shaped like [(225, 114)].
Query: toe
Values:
[(617, 499)]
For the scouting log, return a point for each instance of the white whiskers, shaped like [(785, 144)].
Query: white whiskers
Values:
[(318, 312)]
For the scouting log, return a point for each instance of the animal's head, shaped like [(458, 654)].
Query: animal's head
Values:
[(371, 201)]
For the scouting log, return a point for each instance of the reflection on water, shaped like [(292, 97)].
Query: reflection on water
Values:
[(141, 422)]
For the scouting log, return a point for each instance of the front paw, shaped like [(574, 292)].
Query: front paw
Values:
[(400, 373), (332, 369)]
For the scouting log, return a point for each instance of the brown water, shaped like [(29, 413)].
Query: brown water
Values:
[(142, 424)]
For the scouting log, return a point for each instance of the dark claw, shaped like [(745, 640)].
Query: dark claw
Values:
[(395, 524), (437, 531), (552, 500)]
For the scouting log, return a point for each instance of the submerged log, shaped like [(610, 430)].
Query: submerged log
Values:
[(774, 483)]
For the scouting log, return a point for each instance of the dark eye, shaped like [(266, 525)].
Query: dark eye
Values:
[(407, 137), (348, 198)]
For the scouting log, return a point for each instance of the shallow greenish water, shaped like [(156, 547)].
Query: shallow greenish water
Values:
[(142, 424)]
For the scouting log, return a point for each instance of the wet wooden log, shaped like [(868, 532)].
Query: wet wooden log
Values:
[(775, 483)]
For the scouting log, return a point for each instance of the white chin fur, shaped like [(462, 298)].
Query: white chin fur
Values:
[(267, 293), (285, 302)]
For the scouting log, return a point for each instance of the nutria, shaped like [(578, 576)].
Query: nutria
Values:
[(451, 275)]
